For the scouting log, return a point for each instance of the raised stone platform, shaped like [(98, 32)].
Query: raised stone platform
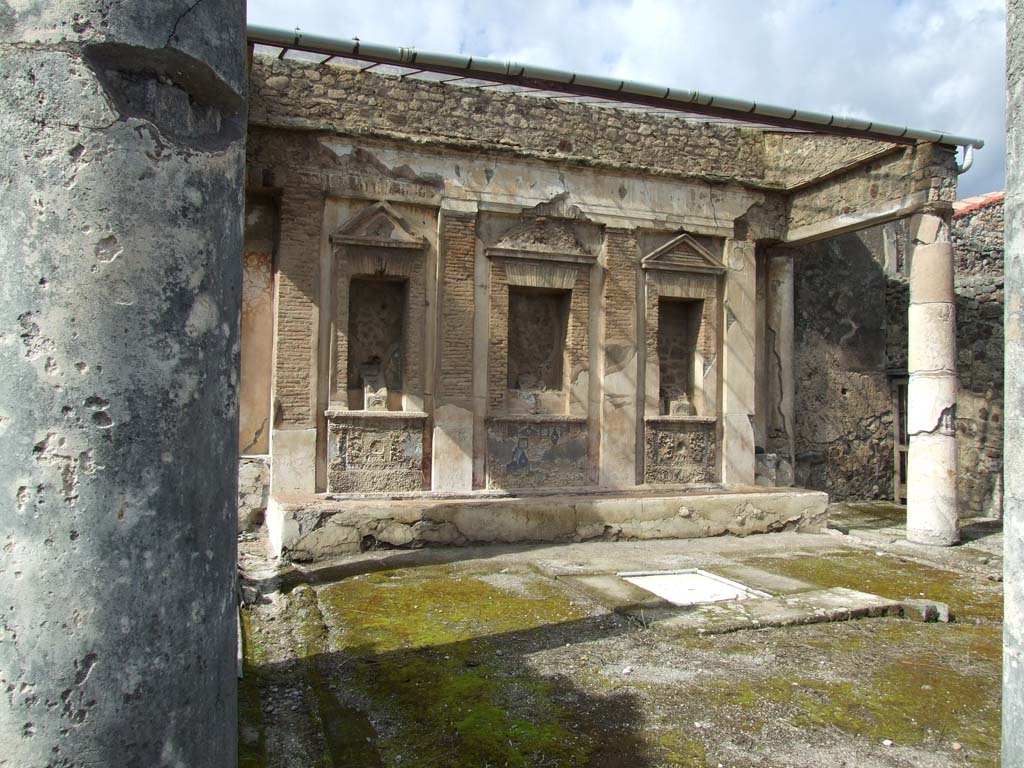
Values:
[(314, 527)]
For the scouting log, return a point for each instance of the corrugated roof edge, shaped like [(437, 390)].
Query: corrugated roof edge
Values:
[(593, 85)]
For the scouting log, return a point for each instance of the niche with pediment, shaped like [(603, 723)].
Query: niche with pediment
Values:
[(681, 284), (539, 319), (538, 349), (375, 419)]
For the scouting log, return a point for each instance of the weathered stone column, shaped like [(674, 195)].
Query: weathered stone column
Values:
[(931, 396), (781, 387), (1013, 403), (121, 175), (738, 322)]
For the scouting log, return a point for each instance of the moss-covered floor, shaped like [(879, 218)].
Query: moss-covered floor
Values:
[(474, 658)]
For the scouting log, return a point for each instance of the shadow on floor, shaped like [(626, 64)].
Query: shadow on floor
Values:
[(472, 703)]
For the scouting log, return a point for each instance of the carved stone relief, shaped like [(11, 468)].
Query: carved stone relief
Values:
[(367, 453), (679, 451)]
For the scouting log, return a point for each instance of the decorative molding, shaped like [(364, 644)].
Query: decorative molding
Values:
[(538, 275), (393, 263), (683, 254), (541, 239), (378, 226), (680, 285)]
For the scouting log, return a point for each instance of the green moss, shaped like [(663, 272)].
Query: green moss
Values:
[(890, 577), (908, 701), (348, 737), (399, 610), (251, 736), (419, 651), (682, 751), (929, 689)]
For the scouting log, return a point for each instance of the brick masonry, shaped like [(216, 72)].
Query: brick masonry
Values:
[(298, 270), (458, 243)]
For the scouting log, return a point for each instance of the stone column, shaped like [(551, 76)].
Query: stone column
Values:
[(738, 322), (1013, 403), (931, 395), (779, 343), (121, 178)]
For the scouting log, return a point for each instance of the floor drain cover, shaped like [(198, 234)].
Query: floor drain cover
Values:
[(691, 586)]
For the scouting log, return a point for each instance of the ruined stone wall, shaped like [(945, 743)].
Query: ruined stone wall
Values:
[(303, 95), (253, 491), (843, 408), (791, 158), (978, 280)]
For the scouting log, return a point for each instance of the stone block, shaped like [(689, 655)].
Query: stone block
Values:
[(375, 451), (926, 610), (737, 449), (931, 273), (293, 470), (680, 451), (932, 337), (924, 227), (451, 464), (931, 404)]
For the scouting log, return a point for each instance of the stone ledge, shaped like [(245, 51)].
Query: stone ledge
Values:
[(535, 418), (665, 419), (337, 414), (318, 527)]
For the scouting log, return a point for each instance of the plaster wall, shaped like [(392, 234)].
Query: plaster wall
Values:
[(257, 327)]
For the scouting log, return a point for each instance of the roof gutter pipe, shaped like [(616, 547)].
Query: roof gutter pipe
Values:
[(968, 161), (602, 87)]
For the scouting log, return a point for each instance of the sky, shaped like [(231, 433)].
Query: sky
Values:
[(931, 64)]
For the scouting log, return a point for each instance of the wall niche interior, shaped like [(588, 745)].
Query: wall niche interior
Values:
[(538, 321)]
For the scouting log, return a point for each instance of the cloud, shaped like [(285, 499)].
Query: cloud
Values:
[(936, 64)]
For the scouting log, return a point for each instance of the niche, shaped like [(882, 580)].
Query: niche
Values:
[(679, 331), (376, 347), (538, 321)]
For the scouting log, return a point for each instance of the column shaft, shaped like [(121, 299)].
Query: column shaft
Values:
[(779, 332), (121, 178), (1013, 434), (931, 400), (738, 324)]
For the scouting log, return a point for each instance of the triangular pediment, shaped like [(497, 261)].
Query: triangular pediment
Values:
[(541, 238), (379, 226), (683, 254)]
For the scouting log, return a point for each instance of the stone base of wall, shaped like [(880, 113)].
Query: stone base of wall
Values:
[(253, 491), (322, 527)]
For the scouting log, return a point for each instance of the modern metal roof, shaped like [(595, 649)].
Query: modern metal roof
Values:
[(472, 72)]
